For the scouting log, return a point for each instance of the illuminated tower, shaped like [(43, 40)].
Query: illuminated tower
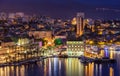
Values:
[(80, 24)]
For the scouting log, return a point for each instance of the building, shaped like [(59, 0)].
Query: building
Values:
[(6, 46), (11, 15), (19, 14), (23, 41), (80, 24), (40, 34), (3, 16), (75, 48), (74, 21), (7, 41)]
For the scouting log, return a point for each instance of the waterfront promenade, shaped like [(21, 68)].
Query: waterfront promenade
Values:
[(32, 60)]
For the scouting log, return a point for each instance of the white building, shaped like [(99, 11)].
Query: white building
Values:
[(19, 14), (11, 15), (75, 48)]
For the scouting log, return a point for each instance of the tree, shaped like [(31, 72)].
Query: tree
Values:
[(58, 41), (14, 39)]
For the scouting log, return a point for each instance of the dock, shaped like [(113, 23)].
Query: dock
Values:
[(84, 59)]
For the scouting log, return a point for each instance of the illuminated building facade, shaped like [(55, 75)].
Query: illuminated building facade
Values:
[(75, 48), (80, 24), (41, 34), (23, 41), (74, 22)]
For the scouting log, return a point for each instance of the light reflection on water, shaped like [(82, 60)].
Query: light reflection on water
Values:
[(62, 67)]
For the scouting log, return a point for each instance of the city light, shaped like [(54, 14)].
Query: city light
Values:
[(40, 44)]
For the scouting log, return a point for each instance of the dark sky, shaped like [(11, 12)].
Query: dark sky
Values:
[(63, 8)]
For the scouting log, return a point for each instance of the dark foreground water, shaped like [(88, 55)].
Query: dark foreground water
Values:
[(63, 67)]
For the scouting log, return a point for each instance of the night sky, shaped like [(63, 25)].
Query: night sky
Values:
[(64, 8)]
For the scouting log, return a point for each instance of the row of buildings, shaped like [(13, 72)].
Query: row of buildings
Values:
[(20, 30)]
